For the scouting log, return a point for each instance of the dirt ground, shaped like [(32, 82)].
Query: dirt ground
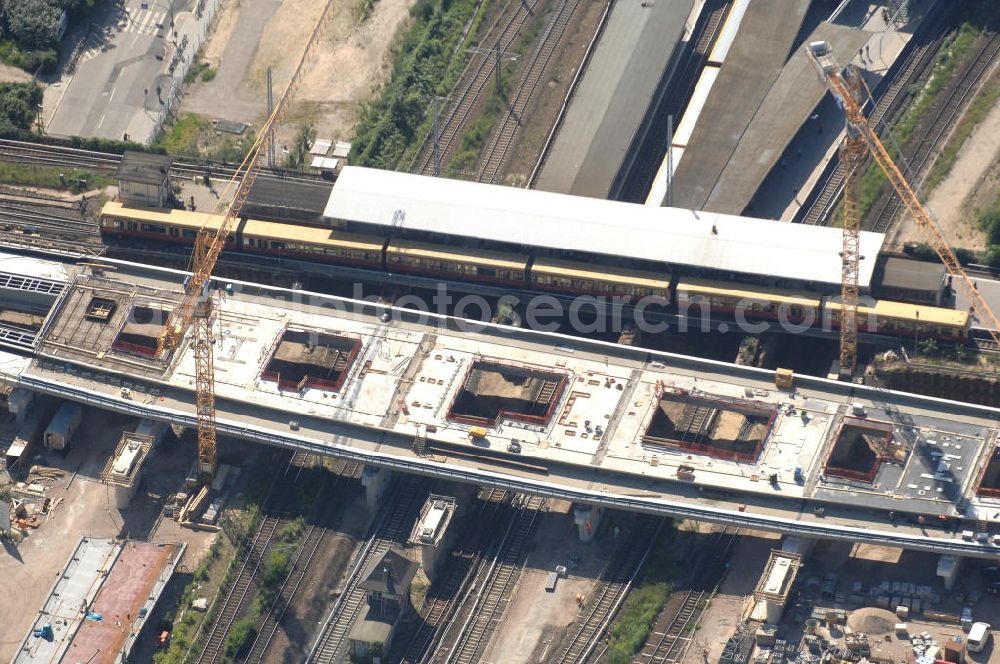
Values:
[(10, 74), (349, 63), (722, 616), (971, 184), (536, 620), (28, 570)]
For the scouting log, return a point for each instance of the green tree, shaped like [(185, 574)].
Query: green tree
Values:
[(18, 105), (928, 347), (33, 24), (240, 638), (300, 148)]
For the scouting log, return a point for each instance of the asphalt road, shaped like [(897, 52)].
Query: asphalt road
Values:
[(114, 89)]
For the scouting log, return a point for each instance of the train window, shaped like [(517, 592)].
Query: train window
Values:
[(277, 245), (154, 228), (486, 271), (188, 233)]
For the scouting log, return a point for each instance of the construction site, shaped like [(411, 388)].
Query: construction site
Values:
[(218, 456), (493, 393), (310, 358), (724, 429), (860, 447)]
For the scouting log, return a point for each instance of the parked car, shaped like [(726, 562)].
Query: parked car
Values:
[(991, 579)]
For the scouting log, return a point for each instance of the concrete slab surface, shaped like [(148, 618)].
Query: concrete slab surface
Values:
[(409, 369), (752, 65), (638, 42)]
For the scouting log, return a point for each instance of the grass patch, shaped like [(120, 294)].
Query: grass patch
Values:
[(240, 638), (476, 135), (53, 177), (181, 135), (192, 135), (649, 594), (418, 590), (984, 100), (425, 64), (183, 622), (365, 10), (200, 70), (44, 59)]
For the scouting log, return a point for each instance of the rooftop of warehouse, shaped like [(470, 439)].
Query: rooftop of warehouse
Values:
[(95, 607), (726, 243)]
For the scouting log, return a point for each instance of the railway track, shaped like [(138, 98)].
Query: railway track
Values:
[(441, 598), (493, 587), (239, 590), (915, 67), (33, 217), (391, 527), (615, 584), (37, 222), (672, 641), (670, 637), (311, 543), (503, 135), (634, 182), (67, 157), (479, 73), (920, 150)]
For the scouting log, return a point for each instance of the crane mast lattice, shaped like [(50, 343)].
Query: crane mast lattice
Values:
[(196, 303)]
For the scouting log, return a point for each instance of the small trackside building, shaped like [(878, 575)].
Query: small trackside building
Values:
[(144, 179)]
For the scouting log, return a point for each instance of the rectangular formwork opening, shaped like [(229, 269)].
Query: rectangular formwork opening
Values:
[(721, 428), (100, 309), (859, 448), (310, 358), (989, 483), (492, 391), (141, 330)]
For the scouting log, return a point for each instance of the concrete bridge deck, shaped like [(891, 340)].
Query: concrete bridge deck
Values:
[(612, 432)]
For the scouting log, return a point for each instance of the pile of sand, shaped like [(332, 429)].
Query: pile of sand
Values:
[(872, 620)]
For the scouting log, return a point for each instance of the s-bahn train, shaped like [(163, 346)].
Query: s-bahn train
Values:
[(689, 294)]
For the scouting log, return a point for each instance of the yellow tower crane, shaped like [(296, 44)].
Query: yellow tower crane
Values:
[(845, 85), (196, 303), (852, 154)]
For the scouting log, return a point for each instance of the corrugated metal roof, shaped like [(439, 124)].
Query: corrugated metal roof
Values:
[(534, 218)]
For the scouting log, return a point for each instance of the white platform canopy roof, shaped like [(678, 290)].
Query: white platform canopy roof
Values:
[(721, 242)]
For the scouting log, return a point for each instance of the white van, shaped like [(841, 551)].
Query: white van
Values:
[(979, 636)]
